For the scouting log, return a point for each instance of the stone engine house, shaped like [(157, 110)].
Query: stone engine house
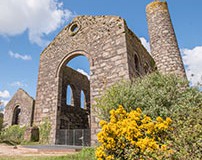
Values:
[(20, 109), (114, 53)]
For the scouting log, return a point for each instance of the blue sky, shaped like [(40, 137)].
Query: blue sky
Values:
[(27, 26)]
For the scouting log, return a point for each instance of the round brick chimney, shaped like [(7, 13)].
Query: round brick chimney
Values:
[(163, 42)]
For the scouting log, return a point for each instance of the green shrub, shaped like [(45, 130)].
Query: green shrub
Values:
[(187, 134), (44, 131), (155, 94), (13, 134), (1, 123), (165, 96)]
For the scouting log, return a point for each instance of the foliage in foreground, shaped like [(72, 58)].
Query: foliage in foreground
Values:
[(165, 96), (85, 154), (155, 94), (1, 122), (44, 131), (13, 134), (133, 136)]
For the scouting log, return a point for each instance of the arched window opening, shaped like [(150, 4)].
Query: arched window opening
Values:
[(137, 66), (80, 64), (69, 97), (16, 116), (83, 100)]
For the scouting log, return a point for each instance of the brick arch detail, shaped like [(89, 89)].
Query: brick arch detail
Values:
[(71, 56)]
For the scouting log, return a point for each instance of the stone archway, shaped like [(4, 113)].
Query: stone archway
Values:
[(16, 115), (110, 47), (73, 122)]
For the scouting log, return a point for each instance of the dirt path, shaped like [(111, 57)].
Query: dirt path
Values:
[(6, 150)]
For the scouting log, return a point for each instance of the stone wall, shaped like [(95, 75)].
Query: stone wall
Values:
[(140, 61), (103, 40), (164, 47), (26, 104), (78, 82)]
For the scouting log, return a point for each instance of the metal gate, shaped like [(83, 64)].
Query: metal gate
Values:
[(74, 137)]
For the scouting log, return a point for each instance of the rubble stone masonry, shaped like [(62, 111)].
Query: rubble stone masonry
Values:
[(163, 42), (25, 103), (104, 41)]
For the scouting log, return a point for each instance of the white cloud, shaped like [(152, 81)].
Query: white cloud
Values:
[(19, 56), (83, 72), (4, 94), (2, 105), (4, 99), (145, 43), (192, 59), (18, 84), (38, 17), (4, 102)]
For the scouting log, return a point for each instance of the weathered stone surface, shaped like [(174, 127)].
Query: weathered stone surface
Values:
[(139, 61), (25, 103), (164, 47), (110, 47), (31, 134)]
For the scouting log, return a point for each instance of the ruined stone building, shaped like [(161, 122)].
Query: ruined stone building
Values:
[(114, 53), (19, 109)]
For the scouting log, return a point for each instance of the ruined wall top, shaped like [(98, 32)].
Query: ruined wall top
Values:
[(97, 26), (157, 5)]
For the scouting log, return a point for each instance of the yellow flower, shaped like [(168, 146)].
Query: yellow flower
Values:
[(102, 123), (132, 130), (110, 157), (146, 119), (112, 112), (168, 120), (100, 152), (159, 119), (139, 110), (163, 147)]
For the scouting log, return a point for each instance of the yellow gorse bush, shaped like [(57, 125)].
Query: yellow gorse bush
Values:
[(132, 135)]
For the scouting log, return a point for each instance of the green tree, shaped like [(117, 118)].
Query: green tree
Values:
[(1, 122), (1, 105)]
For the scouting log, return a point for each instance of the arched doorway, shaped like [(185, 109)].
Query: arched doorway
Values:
[(16, 116), (73, 121)]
